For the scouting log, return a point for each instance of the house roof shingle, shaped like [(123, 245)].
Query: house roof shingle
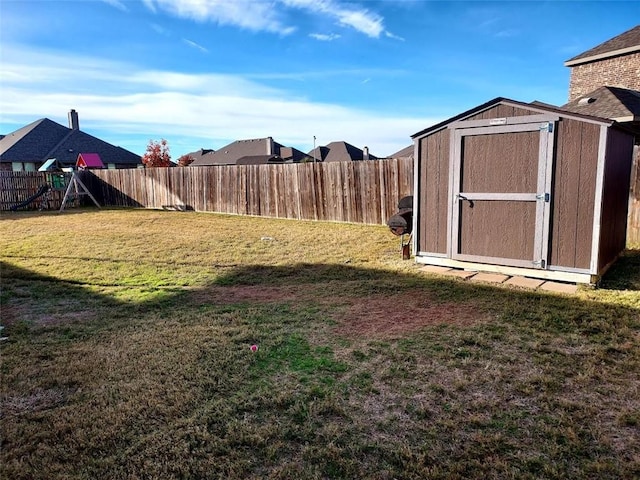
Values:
[(255, 148), (620, 104), (44, 139), (339, 152), (406, 152), (626, 42)]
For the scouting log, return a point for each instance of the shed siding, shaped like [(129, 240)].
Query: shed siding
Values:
[(500, 111), (434, 189), (498, 229), (615, 196), (500, 163), (573, 194)]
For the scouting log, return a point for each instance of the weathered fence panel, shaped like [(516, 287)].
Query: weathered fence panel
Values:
[(359, 192), (17, 187)]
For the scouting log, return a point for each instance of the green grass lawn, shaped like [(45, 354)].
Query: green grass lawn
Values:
[(128, 357)]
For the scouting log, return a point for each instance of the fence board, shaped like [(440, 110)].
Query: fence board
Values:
[(362, 192)]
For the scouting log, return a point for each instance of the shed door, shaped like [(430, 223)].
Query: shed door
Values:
[(501, 194)]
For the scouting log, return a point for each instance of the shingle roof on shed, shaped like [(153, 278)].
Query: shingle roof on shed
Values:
[(626, 42)]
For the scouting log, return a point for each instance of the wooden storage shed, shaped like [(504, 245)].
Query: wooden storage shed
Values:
[(522, 189)]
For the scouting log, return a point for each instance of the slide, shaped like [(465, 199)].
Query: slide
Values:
[(41, 191)]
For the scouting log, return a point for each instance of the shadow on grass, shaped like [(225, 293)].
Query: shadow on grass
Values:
[(625, 273), (51, 296), (221, 403)]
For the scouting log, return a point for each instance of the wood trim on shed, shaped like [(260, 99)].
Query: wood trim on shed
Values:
[(597, 210), (417, 161), (495, 122), (551, 274)]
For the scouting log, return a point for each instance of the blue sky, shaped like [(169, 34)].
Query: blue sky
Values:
[(202, 73)]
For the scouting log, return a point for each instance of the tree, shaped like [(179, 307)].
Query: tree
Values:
[(185, 160), (157, 154)]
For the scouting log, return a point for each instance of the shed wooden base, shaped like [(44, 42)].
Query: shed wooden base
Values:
[(561, 276)]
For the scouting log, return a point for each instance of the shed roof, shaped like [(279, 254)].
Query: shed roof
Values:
[(626, 42), (535, 106)]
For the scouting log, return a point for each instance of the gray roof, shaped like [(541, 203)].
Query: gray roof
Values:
[(620, 104), (626, 42), (253, 148), (45, 139), (406, 152), (198, 154), (339, 152), (259, 160)]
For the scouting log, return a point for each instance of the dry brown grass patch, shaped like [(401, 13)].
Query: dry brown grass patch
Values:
[(391, 316)]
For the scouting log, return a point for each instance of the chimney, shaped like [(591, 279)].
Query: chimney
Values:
[(74, 124), (365, 153), (270, 146)]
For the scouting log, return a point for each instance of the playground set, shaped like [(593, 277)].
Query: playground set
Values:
[(58, 180)]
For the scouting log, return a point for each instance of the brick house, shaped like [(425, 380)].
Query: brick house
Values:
[(614, 63), (605, 82)]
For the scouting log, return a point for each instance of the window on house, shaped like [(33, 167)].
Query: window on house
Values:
[(111, 166), (29, 167), (16, 166)]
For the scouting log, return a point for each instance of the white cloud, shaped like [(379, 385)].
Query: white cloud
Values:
[(195, 45), (160, 29), (117, 4), (325, 37), (349, 15), (271, 16), (191, 110), (395, 37), (248, 14)]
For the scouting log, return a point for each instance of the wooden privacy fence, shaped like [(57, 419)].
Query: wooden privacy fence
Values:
[(16, 187), (362, 192), (633, 222), (359, 192)]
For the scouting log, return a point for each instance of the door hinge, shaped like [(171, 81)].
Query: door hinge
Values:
[(546, 127), (544, 196), (540, 263)]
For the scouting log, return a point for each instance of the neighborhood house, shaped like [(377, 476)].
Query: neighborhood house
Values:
[(46, 141)]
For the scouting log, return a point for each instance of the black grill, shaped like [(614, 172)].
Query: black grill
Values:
[(401, 222)]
